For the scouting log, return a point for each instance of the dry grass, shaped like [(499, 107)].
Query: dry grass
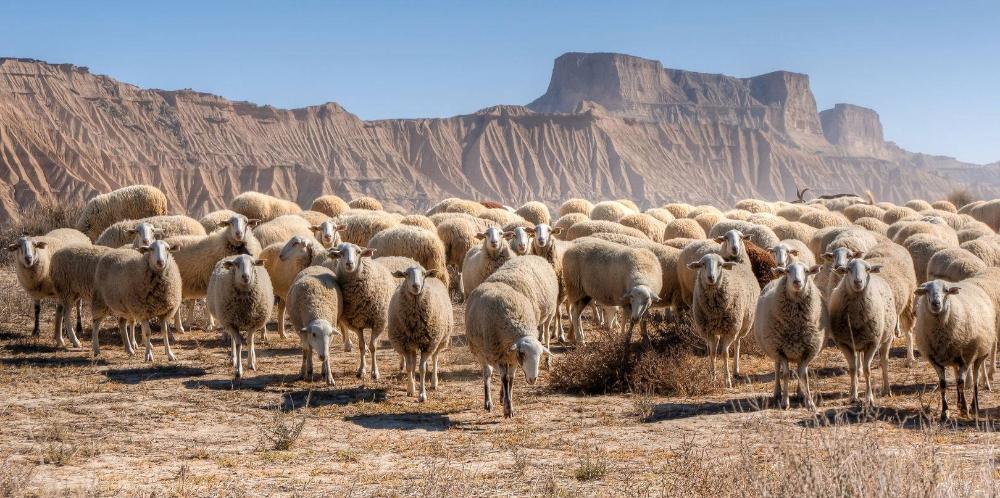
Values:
[(961, 197), (37, 220)]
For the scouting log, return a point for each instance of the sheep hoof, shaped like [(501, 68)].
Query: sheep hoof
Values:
[(330, 382), (488, 406), (360, 373), (149, 356), (422, 398), (171, 357), (375, 375)]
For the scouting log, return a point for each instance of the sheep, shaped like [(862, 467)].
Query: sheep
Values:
[(730, 246), (723, 307), (327, 233), (679, 243), (648, 225), (793, 212), (72, 271), (240, 297), (760, 235), (196, 255), (591, 227), (863, 320), (124, 232), (986, 249), (330, 205), (629, 204), (576, 205), (312, 217), (545, 245), (661, 214), (456, 205), (794, 230), (137, 287), (481, 261), (210, 222), (440, 218), (944, 205), (679, 210), (766, 220), (134, 202), (282, 228), (897, 214), (790, 250), (702, 209), (536, 279), (358, 229), (922, 247), (955, 326), (423, 246), (499, 215), (670, 292), (396, 263), (567, 220), (314, 306), (966, 209), (791, 325), (754, 206), (989, 281), (520, 240), (855, 211), (737, 214), (369, 203), (263, 207), (534, 212), (708, 219), (420, 321), (901, 230), (609, 211), (873, 225), (972, 232), (419, 221), (988, 213), (283, 261), (917, 204), (954, 264), (820, 219), (684, 228), (32, 266), (367, 288), (500, 324), (610, 275)]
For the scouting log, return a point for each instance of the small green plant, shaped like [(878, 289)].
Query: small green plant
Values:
[(592, 466)]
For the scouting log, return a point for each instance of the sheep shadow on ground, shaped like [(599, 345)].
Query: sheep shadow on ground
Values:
[(403, 421), (815, 373), (295, 400), (29, 347), (155, 372), (900, 352), (677, 411), (52, 362), (249, 382)]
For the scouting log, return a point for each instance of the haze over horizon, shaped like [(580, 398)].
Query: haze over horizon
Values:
[(925, 70)]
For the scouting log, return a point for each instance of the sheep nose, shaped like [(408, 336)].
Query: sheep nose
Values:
[(245, 279)]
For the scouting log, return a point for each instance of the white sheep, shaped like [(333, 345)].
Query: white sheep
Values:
[(954, 264), (955, 326), (367, 288), (421, 245), (128, 203), (481, 261), (731, 246), (330, 205), (420, 323), (315, 302), (240, 297), (791, 322), (145, 230), (760, 235), (684, 228), (282, 228), (609, 274), (790, 250), (576, 205), (534, 212), (359, 228), (520, 240), (590, 227), (535, 278), (327, 233), (609, 211), (32, 264), (367, 203), (137, 286), (863, 320), (723, 307), (72, 271), (500, 326), (210, 222), (283, 262), (263, 207)]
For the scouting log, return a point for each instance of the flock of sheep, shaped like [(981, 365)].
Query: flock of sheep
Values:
[(925, 271)]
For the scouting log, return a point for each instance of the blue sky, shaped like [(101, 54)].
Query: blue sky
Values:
[(931, 69)]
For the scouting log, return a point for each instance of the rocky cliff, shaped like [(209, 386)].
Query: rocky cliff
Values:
[(609, 126)]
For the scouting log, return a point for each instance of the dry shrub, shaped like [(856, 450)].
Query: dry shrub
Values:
[(15, 307), (37, 219), (667, 366), (961, 197)]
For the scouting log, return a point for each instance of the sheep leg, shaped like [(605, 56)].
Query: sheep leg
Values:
[(178, 322), (79, 315), (411, 365), (943, 387), (372, 342), (237, 354), (960, 373), (306, 356), (327, 371), (57, 331), (95, 323), (978, 367), (576, 323), (507, 380), (123, 330), (434, 377), (131, 335), (866, 364), (348, 346), (361, 347), (777, 381), (67, 321), (884, 365), (166, 340), (786, 374), (852, 368), (146, 340), (487, 391), (807, 399), (37, 331), (646, 341), (281, 319), (253, 353), (710, 345), (424, 358), (725, 358), (911, 360)]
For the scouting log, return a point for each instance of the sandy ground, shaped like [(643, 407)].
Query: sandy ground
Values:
[(72, 425)]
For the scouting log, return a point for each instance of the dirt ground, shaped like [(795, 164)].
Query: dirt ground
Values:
[(117, 426)]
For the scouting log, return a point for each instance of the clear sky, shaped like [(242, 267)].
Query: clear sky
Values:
[(931, 69)]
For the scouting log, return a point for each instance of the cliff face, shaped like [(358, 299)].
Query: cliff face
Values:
[(608, 126), (855, 129)]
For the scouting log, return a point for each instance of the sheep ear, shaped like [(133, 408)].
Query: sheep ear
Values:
[(729, 265), (41, 244), (509, 234), (858, 254), (333, 253), (316, 228), (367, 252), (131, 231), (530, 230), (398, 274), (259, 262), (815, 269), (793, 252), (875, 269), (719, 239), (481, 236), (341, 228), (625, 298), (920, 291), (12, 247), (433, 273), (227, 265), (841, 270), (745, 237), (557, 231), (304, 330), (827, 256), (158, 235), (695, 265), (224, 223), (778, 270), (252, 223), (143, 249), (173, 248), (953, 290)]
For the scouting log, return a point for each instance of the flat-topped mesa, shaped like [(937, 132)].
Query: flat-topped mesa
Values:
[(856, 130), (640, 88)]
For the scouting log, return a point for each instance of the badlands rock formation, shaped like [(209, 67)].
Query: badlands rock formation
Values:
[(609, 126)]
